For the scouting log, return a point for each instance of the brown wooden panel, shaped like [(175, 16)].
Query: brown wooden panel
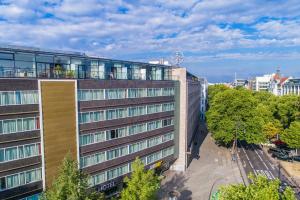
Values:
[(59, 124)]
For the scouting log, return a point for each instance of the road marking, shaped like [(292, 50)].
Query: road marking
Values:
[(266, 173), (248, 159), (262, 161)]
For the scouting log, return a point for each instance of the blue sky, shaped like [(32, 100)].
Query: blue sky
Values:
[(217, 37)]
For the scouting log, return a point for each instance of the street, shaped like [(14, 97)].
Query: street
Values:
[(254, 160), (206, 173)]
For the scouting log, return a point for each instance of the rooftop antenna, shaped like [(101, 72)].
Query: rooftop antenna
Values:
[(178, 58)]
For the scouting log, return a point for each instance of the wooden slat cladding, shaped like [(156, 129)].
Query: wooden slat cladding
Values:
[(59, 124)]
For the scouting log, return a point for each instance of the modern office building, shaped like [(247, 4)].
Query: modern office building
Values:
[(261, 83), (102, 112)]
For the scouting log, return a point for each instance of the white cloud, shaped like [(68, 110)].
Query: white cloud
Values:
[(196, 27)]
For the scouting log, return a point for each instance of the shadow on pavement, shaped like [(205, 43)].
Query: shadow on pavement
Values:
[(197, 142), (177, 183)]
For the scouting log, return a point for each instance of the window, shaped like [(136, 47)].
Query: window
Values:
[(32, 197), (154, 157), (93, 159), (86, 139), (90, 95), (168, 92), (18, 125), (168, 107), (97, 179), (168, 137), (97, 69), (119, 71), (19, 152), (154, 108), (115, 93), (91, 138), (154, 125), (137, 111), (156, 73), (154, 141), (168, 151), (88, 117), (24, 65), (16, 180), (116, 172), (139, 128), (117, 133), (168, 122), (137, 146), (18, 98), (115, 153)]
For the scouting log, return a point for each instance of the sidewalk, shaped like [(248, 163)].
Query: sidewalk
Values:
[(203, 177)]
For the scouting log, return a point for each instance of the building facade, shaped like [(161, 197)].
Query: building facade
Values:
[(188, 116), (204, 99), (291, 87), (102, 112)]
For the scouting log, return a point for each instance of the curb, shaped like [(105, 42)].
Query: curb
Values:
[(242, 171)]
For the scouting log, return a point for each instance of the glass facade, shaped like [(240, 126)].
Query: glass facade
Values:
[(39, 64), (19, 179), (119, 113), (18, 97), (100, 157), (125, 169), (8, 126), (19, 152), (92, 138)]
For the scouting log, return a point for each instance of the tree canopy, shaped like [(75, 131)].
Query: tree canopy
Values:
[(142, 185), (254, 116), (70, 184), (259, 188), (237, 111), (291, 136)]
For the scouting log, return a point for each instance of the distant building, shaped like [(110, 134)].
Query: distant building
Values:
[(291, 86), (261, 83), (160, 62), (240, 83), (276, 83), (204, 99)]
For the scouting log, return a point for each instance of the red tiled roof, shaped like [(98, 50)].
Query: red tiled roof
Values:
[(283, 79), (276, 77)]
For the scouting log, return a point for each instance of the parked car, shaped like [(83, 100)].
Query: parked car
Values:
[(296, 158), (281, 156), (278, 150)]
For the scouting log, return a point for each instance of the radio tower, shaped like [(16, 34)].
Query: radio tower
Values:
[(178, 58)]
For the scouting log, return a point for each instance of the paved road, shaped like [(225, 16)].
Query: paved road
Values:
[(254, 160), (205, 174)]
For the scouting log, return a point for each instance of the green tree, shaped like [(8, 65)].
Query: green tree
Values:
[(232, 110), (142, 184), (287, 109), (216, 89), (291, 136), (70, 184), (271, 129), (259, 188)]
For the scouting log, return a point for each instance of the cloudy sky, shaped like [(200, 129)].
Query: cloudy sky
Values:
[(217, 37)]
